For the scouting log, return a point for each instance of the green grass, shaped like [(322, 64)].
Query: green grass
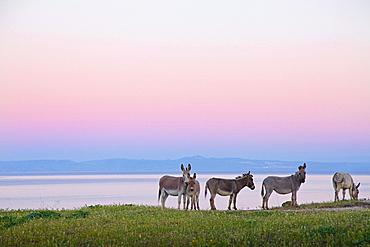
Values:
[(130, 225), (321, 205)]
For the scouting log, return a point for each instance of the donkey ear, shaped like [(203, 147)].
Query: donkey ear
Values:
[(249, 173), (182, 167), (189, 167), (304, 165), (300, 167), (195, 175), (358, 185)]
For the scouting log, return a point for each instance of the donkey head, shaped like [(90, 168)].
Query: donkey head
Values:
[(185, 172), (248, 178), (302, 173), (355, 191), (191, 182)]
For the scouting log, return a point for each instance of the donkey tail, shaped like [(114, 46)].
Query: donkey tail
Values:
[(262, 190), (159, 193), (205, 190)]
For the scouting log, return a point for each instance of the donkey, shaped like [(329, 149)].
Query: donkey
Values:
[(192, 192), (283, 185), (174, 186), (344, 181), (228, 187)]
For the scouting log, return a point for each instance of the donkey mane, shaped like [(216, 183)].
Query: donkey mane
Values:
[(243, 176)]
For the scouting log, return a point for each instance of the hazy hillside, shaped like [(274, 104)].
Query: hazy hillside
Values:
[(200, 164)]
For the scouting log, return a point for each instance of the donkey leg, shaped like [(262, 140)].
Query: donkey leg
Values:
[(294, 199), (263, 202), (344, 193), (187, 202), (230, 201), (336, 197), (266, 199), (337, 193), (179, 201), (212, 202), (197, 201), (193, 202), (163, 198), (234, 201)]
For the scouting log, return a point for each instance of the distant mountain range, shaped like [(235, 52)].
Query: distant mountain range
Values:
[(199, 164)]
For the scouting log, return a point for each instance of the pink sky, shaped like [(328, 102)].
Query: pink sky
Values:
[(74, 92)]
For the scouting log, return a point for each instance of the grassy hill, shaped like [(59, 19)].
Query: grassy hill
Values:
[(131, 225)]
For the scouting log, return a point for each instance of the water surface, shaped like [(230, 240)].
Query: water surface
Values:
[(75, 191)]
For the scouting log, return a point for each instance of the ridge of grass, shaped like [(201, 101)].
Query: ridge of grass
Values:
[(325, 205)]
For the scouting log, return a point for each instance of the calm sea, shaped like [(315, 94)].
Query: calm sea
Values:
[(75, 191)]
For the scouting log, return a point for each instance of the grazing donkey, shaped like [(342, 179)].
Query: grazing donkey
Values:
[(228, 187), (192, 192), (344, 181), (174, 186), (283, 185)]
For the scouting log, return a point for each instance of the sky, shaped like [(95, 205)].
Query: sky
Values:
[(272, 80)]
